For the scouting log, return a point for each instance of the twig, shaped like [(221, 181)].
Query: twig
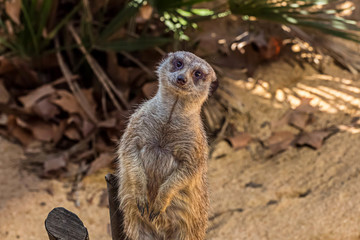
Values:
[(63, 80), (99, 72), (103, 104), (159, 50), (74, 86), (140, 64)]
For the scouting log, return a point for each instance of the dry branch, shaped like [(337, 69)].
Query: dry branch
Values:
[(74, 86), (101, 75)]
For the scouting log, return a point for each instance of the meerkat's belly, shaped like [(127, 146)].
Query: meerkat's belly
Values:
[(159, 163)]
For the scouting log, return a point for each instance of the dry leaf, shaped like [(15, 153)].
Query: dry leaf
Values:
[(45, 109), (355, 121), (21, 134), (150, 89), (4, 94), (282, 121), (104, 160), (272, 49), (54, 163), (59, 131), (118, 73), (30, 99), (72, 133), (12, 8), (305, 106), (145, 11), (314, 139), (88, 93), (76, 119), (87, 128), (42, 131), (109, 123), (279, 141), (67, 102), (5, 65), (3, 119), (240, 140), (299, 119), (101, 146), (104, 199)]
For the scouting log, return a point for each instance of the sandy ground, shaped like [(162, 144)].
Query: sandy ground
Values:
[(298, 194)]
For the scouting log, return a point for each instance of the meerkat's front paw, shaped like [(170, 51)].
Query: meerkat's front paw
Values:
[(142, 203), (157, 208)]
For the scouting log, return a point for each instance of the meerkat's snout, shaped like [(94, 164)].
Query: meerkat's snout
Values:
[(181, 79)]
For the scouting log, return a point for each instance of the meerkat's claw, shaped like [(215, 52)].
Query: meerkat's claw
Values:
[(142, 207), (153, 215)]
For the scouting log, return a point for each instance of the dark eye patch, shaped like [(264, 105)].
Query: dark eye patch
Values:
[(198, 74), (178, 64)]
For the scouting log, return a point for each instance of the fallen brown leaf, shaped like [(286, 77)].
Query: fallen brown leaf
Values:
[(87, 128), (12, 8), (101, 146), (67, 102), (3, 119), (118, 73), (299, 119), (5, 65), (150, 89), (240, 140), (20, 133), (305, 106), (4, 94), (104, 160), (109, 123), (279, 141), (42, 131), (314, 139), (45, 109), (104, 199), (72, 133), (282, 121), (59, 131), (30, 99), (356, 121), (145, 13), (54, 163), (88, 93)]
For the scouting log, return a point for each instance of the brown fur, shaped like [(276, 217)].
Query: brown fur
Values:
[(163, 157)]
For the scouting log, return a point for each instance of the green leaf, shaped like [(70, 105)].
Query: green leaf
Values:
[(64, 21), (302, 13), (133, 44), (44, 14), (30, 28), (202, 11)]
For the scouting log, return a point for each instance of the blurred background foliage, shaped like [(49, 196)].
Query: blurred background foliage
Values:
[(71, 70)]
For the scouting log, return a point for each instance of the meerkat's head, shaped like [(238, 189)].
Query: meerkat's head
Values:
[(185, 74)]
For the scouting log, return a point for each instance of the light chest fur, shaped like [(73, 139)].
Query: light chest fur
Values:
[(163, 142)]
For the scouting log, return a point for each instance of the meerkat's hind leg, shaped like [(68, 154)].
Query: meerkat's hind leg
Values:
[(139, 230)]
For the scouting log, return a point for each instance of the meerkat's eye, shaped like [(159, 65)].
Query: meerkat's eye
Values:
[(178, 64), (198, 74)]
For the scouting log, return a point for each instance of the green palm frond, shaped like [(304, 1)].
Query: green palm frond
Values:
[(305, 13)]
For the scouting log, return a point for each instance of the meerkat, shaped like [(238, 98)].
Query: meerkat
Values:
[(162, 156)]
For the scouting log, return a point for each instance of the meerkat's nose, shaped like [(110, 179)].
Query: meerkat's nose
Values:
[(181, 79)]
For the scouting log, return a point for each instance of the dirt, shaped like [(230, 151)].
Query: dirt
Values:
[(300, 193)]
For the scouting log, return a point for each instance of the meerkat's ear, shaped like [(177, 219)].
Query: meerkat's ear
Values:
[(167, 55), (213, 86)]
